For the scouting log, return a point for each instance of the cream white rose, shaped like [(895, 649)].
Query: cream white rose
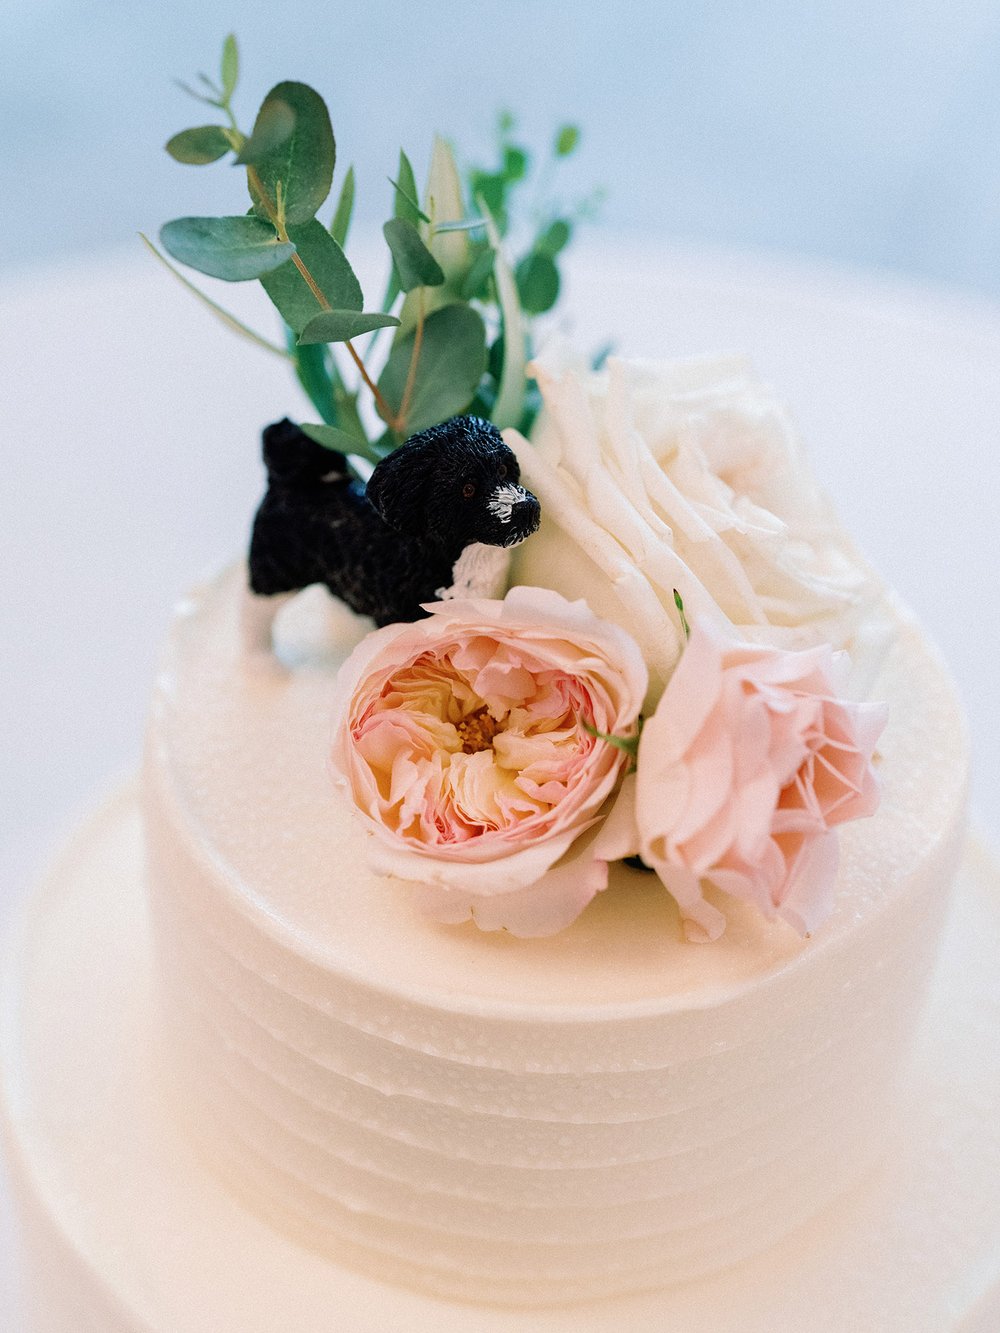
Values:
[(689, 475)]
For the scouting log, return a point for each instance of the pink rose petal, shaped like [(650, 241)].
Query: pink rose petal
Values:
[(745, 769), (462, 741)]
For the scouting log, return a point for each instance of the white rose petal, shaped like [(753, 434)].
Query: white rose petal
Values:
[(688, 475)]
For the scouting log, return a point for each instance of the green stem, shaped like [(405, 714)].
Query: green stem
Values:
[(399, 423), (217, 310), (278, 223)]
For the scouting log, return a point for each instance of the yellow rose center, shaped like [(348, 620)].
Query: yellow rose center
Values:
[(477, 731)]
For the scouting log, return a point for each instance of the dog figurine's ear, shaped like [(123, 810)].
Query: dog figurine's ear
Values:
[(290, 456), (398, 488)]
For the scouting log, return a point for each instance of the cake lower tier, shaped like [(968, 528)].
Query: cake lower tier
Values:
[(518, 1121), (127, 1230)]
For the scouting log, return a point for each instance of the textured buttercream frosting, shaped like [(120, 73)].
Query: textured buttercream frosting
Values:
[(518, 1120)]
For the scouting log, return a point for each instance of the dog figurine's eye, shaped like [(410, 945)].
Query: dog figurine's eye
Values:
[(469, 490), (502, 471)]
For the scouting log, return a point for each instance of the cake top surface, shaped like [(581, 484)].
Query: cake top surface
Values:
[(245, 756)]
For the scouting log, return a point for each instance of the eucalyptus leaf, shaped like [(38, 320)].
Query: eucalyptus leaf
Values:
[(554, 238), (234, 249), (198, 97), (474, 285), (492, 189), (599, 358), (515, 163), (341, 223), (567, 140), (196, 147), (392, 288), (415, 265), (329, 268), (272, 129), (537, 283), (511, 382), (339, 326), (301, 170), (450, 364), (230, 69), (341, 442), (405, 203), (347, 407), (313, 369), (467, 224), (331, 437)]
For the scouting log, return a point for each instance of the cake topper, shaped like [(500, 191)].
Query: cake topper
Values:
[(436, 519), (496, 745)]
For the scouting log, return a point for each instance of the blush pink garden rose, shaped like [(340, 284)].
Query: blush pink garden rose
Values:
[(462, 741), (745, 769)]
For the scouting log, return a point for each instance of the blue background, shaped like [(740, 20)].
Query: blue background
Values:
[(860, 132)]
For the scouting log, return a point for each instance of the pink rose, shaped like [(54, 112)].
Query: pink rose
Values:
[(462, 740), (745, 769)]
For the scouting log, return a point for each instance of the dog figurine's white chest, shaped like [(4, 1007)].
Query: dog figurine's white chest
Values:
[(480, 571)]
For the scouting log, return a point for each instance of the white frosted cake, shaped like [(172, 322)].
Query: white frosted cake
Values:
[(534, 911), (514, 1120)]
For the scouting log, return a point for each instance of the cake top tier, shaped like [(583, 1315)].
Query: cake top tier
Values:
[(243, 756), (674, 677)]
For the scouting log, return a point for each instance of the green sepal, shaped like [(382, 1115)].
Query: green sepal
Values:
[(272, 129), (450, 365), (329, 268), (341, 222), (199, 146), (628, 744), (415, 265), (233, 249), (339, 326), (679, 603), (301, 170)]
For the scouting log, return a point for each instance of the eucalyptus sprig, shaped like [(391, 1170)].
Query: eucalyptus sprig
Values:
[(461, 312)]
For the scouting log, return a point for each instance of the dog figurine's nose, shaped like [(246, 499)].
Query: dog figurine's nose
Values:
[(527, 514)]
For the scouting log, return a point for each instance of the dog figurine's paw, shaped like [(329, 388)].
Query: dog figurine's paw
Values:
[(256, 629)]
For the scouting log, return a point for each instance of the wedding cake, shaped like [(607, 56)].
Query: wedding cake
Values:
[(551, 958)]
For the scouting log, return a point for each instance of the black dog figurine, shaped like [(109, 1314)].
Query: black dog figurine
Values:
[(435, 520)]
